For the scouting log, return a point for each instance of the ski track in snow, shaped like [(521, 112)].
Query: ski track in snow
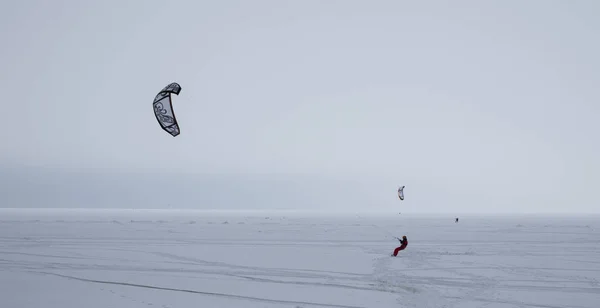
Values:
[(202, 293), (181, 259)]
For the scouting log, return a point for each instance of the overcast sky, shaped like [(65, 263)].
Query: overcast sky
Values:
[(475, 106)]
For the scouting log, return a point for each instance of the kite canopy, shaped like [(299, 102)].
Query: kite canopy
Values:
[(163, 109), (401, 193)]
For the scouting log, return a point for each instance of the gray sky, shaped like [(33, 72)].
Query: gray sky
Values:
[(475, 106)]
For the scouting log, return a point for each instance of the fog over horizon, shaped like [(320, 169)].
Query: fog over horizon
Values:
[(479, 107)]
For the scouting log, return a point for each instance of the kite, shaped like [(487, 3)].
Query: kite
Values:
[(401, 193), (163, 109)]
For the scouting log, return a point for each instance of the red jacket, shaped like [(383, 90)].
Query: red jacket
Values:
[(403, 243)]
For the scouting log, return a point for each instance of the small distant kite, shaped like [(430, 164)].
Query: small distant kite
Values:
[(401, 193), (163, 109)]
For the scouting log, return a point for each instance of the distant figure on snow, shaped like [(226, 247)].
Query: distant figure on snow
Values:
[(403, 244), (456, 220)]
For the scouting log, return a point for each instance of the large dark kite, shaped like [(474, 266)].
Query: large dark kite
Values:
[(163, 109)]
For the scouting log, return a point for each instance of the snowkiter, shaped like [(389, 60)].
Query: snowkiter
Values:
[(403, 244)]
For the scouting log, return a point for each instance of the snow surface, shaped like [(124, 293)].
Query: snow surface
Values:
[(171, 259)]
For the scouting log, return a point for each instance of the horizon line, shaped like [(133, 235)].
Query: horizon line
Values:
[(306, 211)]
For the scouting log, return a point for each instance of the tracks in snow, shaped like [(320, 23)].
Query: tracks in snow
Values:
[(225, 295)]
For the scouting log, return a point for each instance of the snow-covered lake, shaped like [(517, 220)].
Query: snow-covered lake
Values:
[(177, 259)]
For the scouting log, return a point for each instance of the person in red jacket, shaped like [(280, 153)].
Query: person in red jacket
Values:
[(403, 244)]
